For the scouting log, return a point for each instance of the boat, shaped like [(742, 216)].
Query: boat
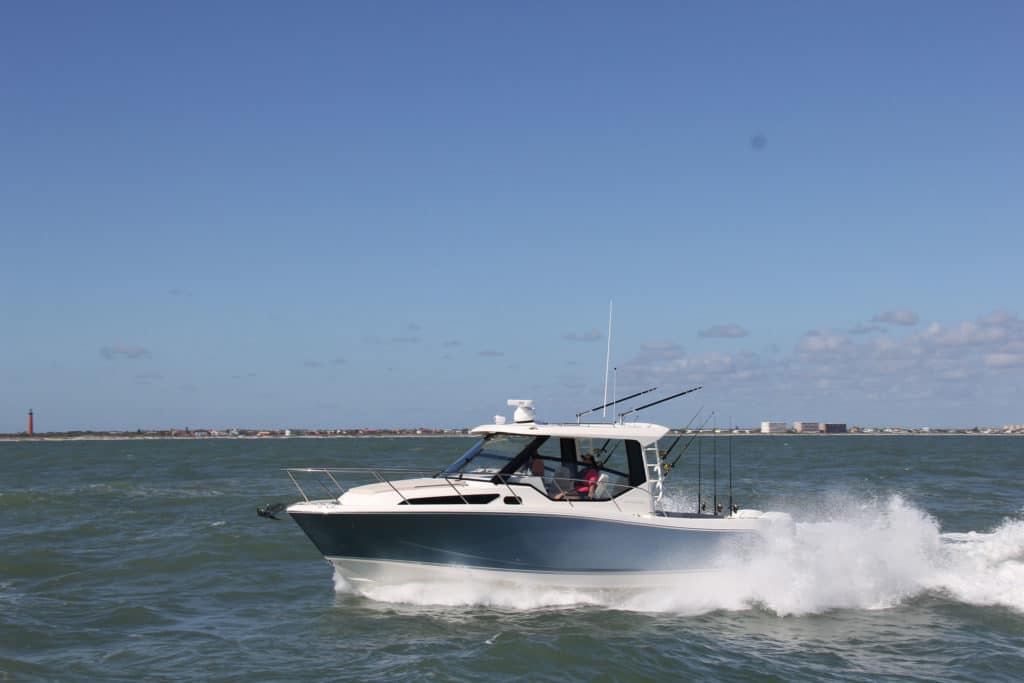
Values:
[(576, 504)]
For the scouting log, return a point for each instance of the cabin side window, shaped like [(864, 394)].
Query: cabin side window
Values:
[(572, 478)]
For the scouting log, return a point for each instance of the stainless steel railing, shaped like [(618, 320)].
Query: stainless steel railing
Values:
[(325, 478), (323, 475)]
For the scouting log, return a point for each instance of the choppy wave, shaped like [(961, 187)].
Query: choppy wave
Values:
[(856, 555)]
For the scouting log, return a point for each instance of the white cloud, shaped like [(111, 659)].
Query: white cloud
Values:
[(725, 332), (661, 351), (866, 329), (1004, 360), (315, 364), (900, 317), (399, 339), (941, 368), (817, 341), (124, 351), (1001, 318), (966, 334), (590, 335)]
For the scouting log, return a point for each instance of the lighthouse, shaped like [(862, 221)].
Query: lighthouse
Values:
[(30, 422)]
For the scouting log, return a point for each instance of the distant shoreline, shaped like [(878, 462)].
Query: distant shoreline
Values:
[(145, 437), (16, 438)]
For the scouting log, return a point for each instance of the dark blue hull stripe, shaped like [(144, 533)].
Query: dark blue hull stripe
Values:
[(535, 543)]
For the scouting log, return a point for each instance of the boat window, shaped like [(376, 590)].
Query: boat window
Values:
[(491, 455), (472, 499), (612, 458), (550, 454)]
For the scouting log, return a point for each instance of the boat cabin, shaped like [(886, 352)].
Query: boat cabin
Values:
[(572, 462), (614, 466)]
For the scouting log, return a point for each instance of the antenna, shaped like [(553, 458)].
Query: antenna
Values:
[(607, 358), (615, 382), (654, 403)]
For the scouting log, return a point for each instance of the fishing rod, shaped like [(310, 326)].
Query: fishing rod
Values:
[(668, 452), (654, 403), (731, 506), (668, 466), (700, 480), (611, 403), (714, 444)]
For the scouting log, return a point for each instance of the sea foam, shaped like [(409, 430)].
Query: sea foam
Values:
[(855, 555)]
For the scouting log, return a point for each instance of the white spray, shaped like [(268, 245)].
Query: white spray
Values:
[(857, 555)]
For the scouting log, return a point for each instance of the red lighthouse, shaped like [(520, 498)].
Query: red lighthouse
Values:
[(30, 422)]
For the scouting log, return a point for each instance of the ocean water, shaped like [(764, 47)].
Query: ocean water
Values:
[(145, 560)]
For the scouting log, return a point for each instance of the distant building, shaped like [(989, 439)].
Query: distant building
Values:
[(773, 427), (832, 428), (806, 427)]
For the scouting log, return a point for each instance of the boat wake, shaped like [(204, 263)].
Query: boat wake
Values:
[(856, 555), (860, 556)]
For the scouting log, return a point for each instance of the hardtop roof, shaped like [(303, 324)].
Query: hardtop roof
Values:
[(643, 432)]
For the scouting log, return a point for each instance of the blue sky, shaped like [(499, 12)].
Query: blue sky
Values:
[(400, 214)]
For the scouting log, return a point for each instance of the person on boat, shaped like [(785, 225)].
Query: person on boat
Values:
[(588, 478), (537, 467), (537, 470), (583, 487), (561, 483)]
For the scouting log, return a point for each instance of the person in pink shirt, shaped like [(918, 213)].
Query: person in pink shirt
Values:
[(588, 478), (584, 484)]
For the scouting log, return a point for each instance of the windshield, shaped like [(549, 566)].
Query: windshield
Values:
[(490, 455)]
